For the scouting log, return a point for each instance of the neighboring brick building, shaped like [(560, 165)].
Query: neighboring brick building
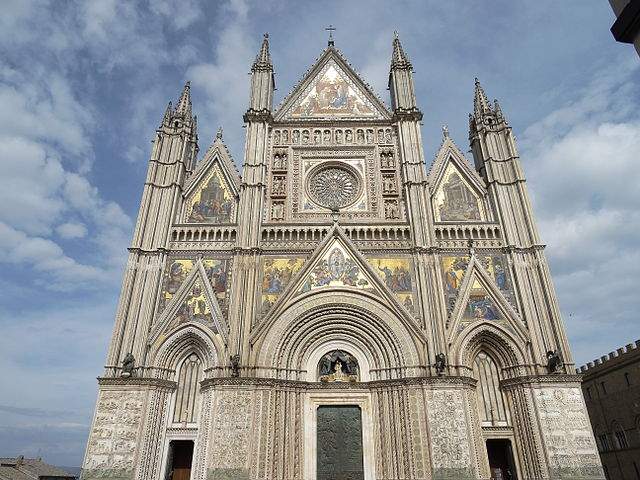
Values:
[(611, 386)]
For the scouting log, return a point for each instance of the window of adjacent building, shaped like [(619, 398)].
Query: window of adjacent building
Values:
[(627, 379), (604, 442), (604, 389), (621, 438)]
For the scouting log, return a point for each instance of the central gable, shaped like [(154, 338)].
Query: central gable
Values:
[(332, 91)]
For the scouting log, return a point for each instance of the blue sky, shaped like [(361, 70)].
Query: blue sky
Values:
[(83, 86)]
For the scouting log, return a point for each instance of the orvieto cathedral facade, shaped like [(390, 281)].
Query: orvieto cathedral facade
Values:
[(340, 309)]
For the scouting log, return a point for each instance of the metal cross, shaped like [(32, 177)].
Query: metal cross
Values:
[(330, 29)]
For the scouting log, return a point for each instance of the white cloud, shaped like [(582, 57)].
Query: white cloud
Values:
[(70, 230), (581, 163)]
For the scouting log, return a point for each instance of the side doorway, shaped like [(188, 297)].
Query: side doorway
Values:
[(501, 463), (179, 460)]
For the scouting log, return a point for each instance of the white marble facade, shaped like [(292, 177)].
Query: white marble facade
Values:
[(337, 244)]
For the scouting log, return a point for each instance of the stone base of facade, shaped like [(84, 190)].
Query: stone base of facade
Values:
[(416, 428)]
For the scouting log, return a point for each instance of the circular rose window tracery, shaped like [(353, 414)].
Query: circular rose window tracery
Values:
[(334, 187)]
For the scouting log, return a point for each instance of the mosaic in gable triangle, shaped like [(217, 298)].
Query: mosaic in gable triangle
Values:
[(454, 268), (194, 308), (455, 200), (397, 275), (332, 94), (336, 269), (217, 271), (212, 202), (276, 275)]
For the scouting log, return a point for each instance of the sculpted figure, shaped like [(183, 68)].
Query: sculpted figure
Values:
[(235, 365), (348, 135), (128, 365), (553, 361), (441, 363)]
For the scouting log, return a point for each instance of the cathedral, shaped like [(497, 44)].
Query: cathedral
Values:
[(340, 309)]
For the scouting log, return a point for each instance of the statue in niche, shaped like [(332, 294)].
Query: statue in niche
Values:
[(305, 137), (326, 137), (360, 136), (441, 363), (348, 136), (380, 135), (279, 186), (128, 365), (369, 136), (277, 162), (387, 135), (388, 184), (285, 136), (235, 365), (316, 136), (295, 136), (553, 361), (277, 211), (276, 137), (339, 137), (391, 209), (338, 366)]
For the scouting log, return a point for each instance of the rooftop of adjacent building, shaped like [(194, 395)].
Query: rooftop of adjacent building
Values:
[(621, 356), (21, 468)]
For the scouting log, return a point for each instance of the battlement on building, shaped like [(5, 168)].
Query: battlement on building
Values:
[(612, 359)]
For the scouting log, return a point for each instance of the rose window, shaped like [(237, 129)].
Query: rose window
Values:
[(334, 187)]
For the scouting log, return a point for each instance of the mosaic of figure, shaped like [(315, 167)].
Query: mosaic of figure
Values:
[(213, 202), (499, 270), (338, 366), (337, 269), (455, 201), (175, 273), (453, 270), (332, 95), (277, 273), (397, 276), (218, 274), (194, 308), (480, 306)]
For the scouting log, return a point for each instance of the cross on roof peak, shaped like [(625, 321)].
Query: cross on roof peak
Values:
[(330, 29)]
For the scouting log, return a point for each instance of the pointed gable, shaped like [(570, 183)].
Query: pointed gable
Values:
[(481, 300), (212, 190), (332, 90), (195, 301), (458, 192)]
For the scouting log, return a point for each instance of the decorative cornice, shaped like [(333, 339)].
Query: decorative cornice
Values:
[(539, 380), (435, 381), (407, 114), (137, 382), (253, 115)]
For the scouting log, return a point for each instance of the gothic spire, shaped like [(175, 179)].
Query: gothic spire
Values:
[(168, 113), (399, 59), (183, 107), (481, 103), (263, 59)]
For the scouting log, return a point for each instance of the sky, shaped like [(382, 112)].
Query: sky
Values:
[(84, 84)]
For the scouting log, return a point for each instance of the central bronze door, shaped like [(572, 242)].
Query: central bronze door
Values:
[(339, 443)]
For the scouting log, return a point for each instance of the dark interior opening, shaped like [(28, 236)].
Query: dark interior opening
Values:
[(180, 459), (501, 462)]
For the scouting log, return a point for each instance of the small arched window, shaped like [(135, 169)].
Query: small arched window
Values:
[(492, 406), (620, 435), (186, 404)]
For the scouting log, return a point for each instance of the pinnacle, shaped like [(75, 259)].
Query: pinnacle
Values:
[(219, 134), (183, 108), (263, 59), (399, 59), (481, 103)]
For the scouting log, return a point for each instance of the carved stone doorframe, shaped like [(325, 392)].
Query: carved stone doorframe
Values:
[(315, 399), (179, 434)]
